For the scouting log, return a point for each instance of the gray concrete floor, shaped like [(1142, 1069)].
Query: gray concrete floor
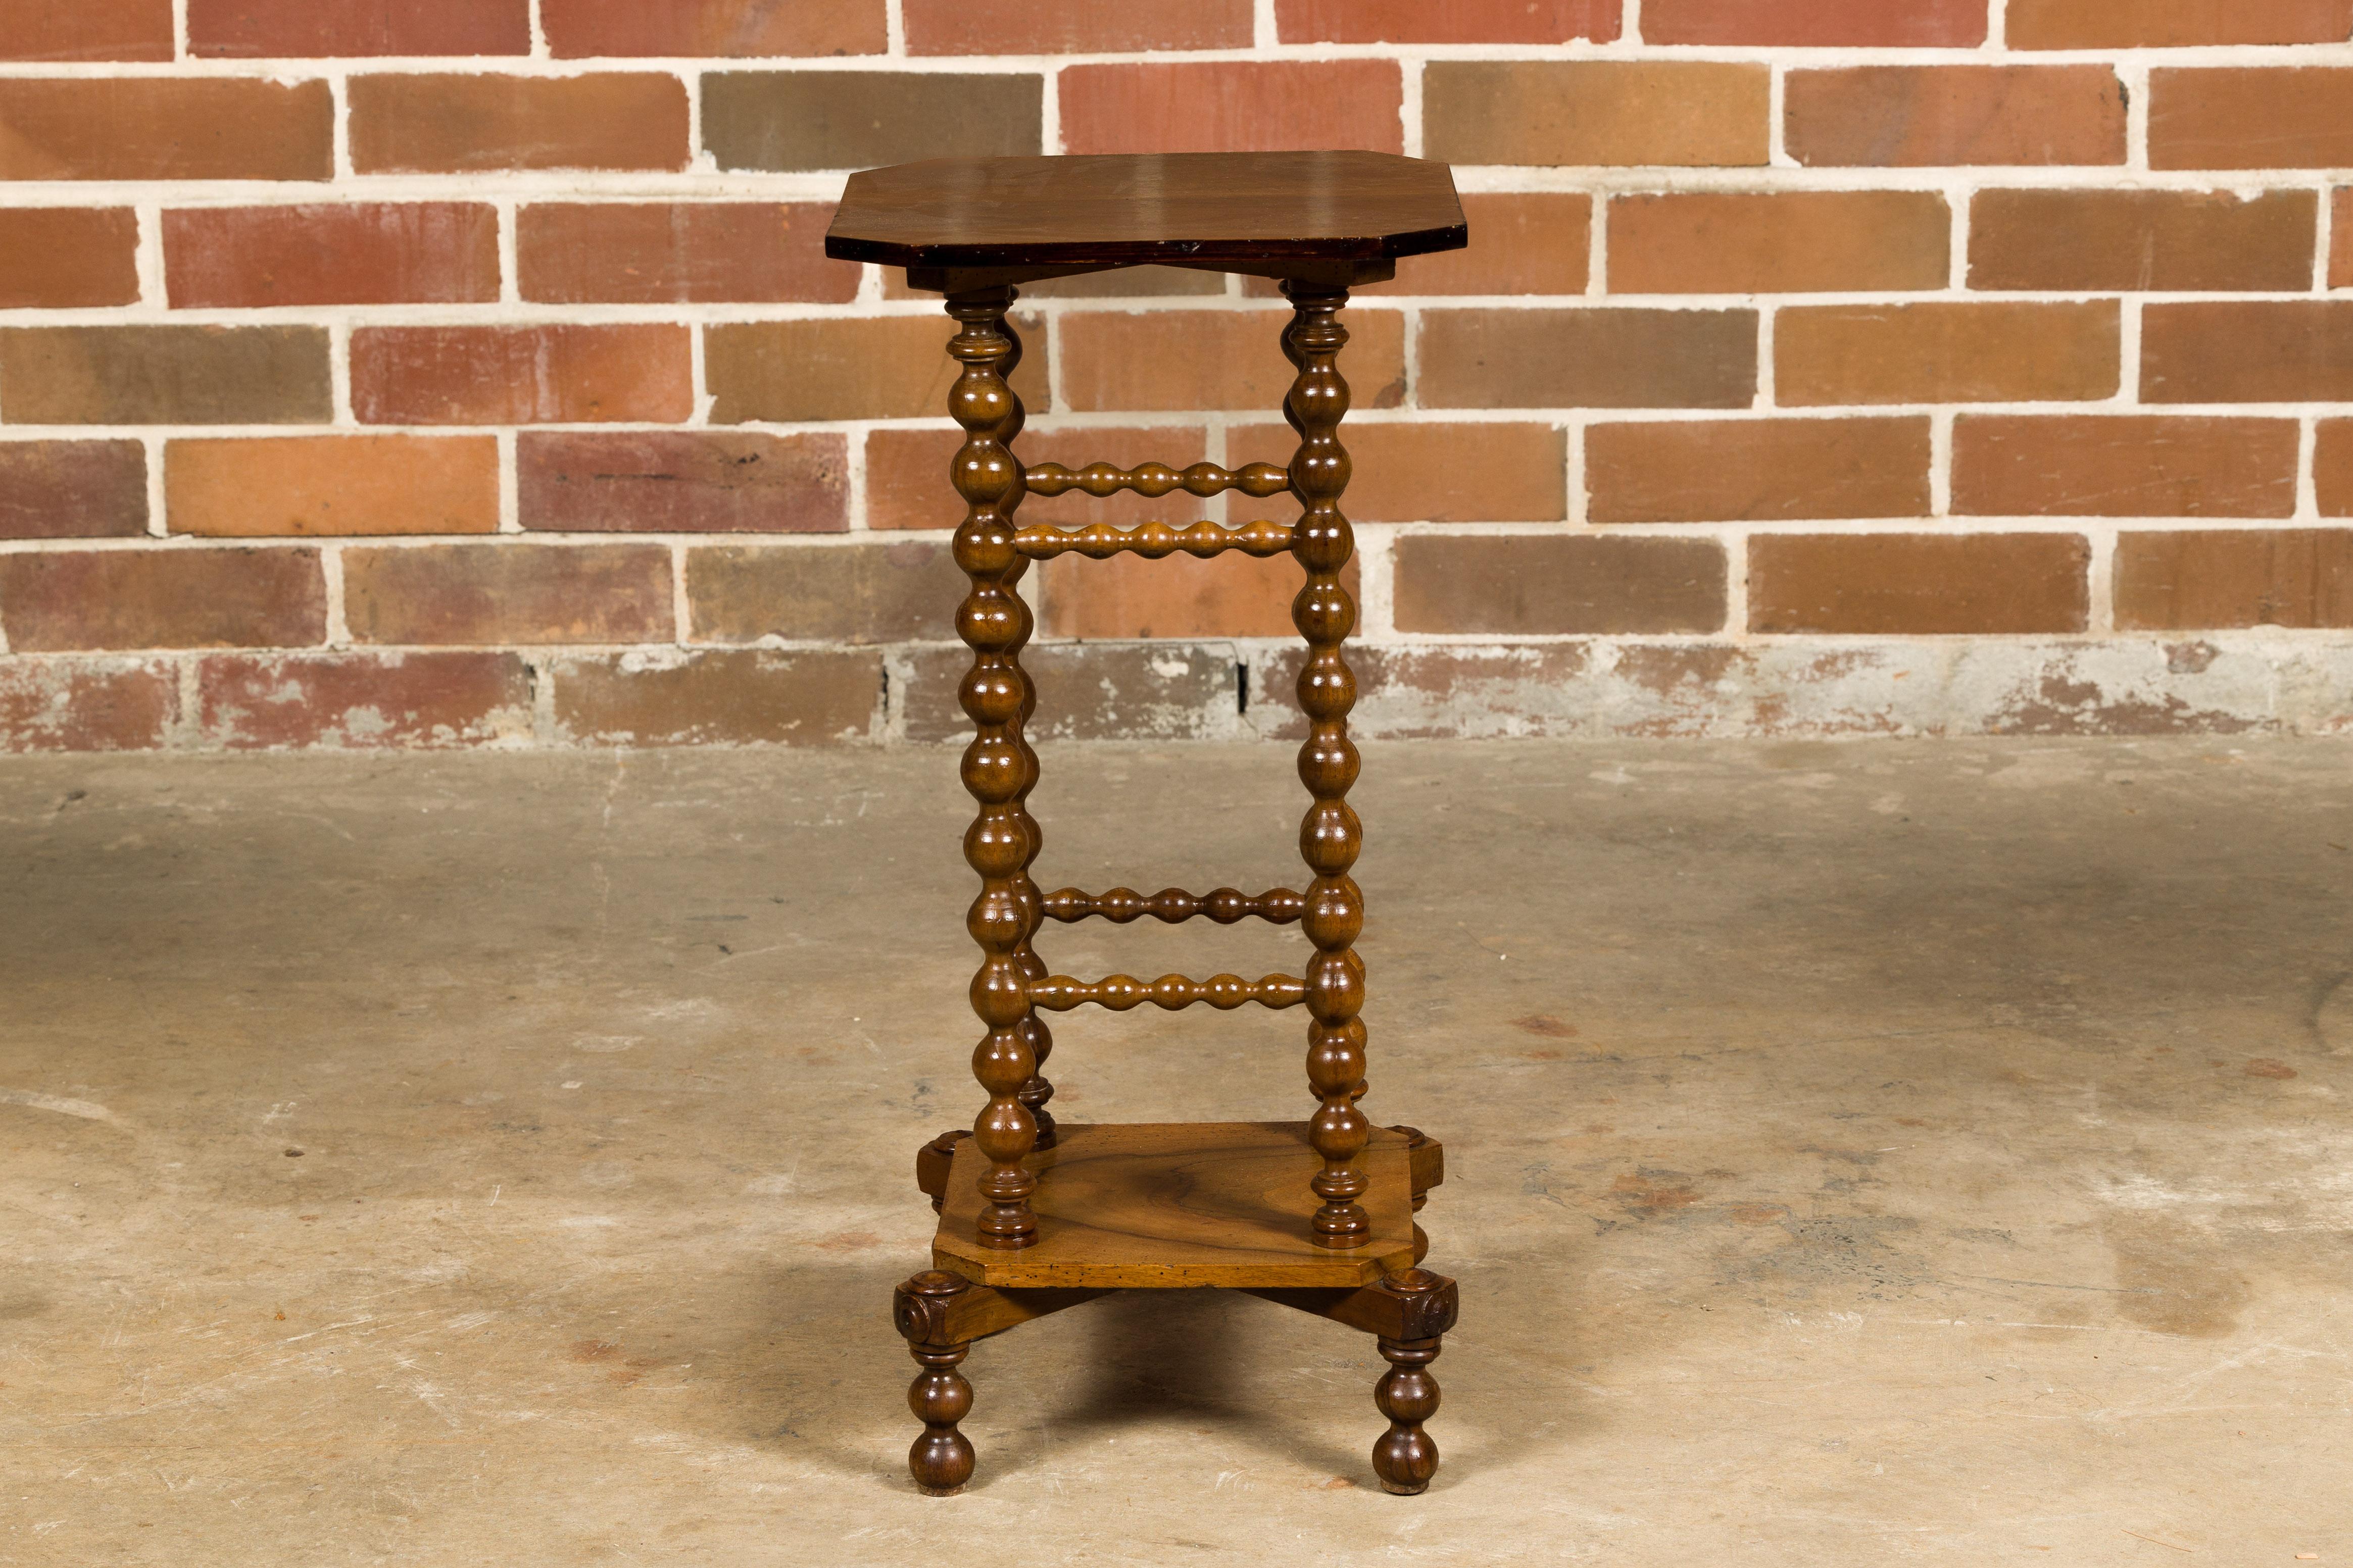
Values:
[(1921, 1152)]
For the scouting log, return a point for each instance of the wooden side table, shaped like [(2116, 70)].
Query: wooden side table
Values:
[(1034, 1217)]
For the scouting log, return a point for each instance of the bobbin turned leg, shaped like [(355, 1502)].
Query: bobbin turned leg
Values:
[(941, 1459), (1404, 1457)]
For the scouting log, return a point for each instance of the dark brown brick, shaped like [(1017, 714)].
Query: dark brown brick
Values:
[(422, 701), (1901, 116), (724, 29), (311, 29), (2141, 239), (722, 697), (2332, 467), (1119, 360), (72, 489), (900, 592), (1092, 691), (787, 121), (906, 470), (1813, 23), (60, 257), (163, 375), (2174, 23), (157, 128), (323, 484), (2250, 118), (645, 253), (572, 374), (86, 30), (65, 600), (1544, 584), (1072, 26), (1456, 22), (1755, 471), (418, 122), (1945, 352), (2271, 350), (509, 594), (2194, 579), (872, 367), (354, 253), (1528, 243), (1706, 242), (1425, 470), (1917, 585), (1596, 358), (683, 482), (1690, 113), (2097, 465), (87, 704), (1231, 106)]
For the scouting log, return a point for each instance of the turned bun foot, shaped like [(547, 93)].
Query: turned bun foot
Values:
[(1404, 1457)]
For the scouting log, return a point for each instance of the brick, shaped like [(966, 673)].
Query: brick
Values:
[(64, 600), (1755, 471), (1660, 113), (72, 489), (873, 367), (86, 30), (354, 253), (2202, 578), (419, 122), (1918, 584), (60, 257), (2174, 23), (87, 705), (560, 374), (647, 253), (163, 375), (1918, 23), (2272, 351), (2141, 239), (1091, 691), (681, 481), (1547, 584), (1231, 106), (1128, 596), (900, 592), (2090, 465), (1520, 244), (362, 701), (1444, 691), (1945, 352), (2340, 238), (2332, 467), (1908, 116), (1426, 471), (721, 696), (789, 120), (2250, 118), (156, 127), (313, 29), (1597, 358), (332, 485), (1214, 359), (509, 594), (1794, 242), (713, 28), (1127, 283), (1457, 22), (907, 475), (1072, 26)]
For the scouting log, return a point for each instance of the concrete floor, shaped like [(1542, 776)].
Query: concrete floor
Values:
[(1927, 1152)]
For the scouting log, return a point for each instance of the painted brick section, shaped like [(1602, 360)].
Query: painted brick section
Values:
[(1926, 24), (1596, 111), (297, 29), (154, 128), (1911, 583), (902, 592), (85, 705), (787, 120), (1426, 471), (45, 30), (1531, 244), (2332, 467), (509, 594), (1071, 26), (718, 697), (1588, 358), (903, 470), (2250, 118), (2095, 465), (1456, 22), (1912, 116), (1797, 241), (683, 481), (2188, 240), (724, 28), (73, 489), (2199, 579), (332, 485), (1945, 352), (61, 258), (1550, 585), (1091, 691), (845, 368), (567, 374), (163, 375), (2174, 23), (2273, 351), (1757, 470), (1214, 359), (163, 598), (362, 701), (1231, 106), (647, 253), (452, 124), (358, 253)]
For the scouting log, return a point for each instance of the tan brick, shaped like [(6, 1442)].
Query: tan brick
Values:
[(2271, 350), (722, 697), (1520, 244), (163, 375), (86, 30), (332, 485), (907, 475), (420, 122), (1072, 26), (363, 699), (1546, 584), (1214, 359), (886, 367), (1793, 242), (72, 489), (789, 121), (565, 374), (87, 704), (1945, 352), (157, 128), (1898, 116), (901, 592), (645, 253), (1919, 24), (1917, 585), (2332, 467), (1091, 691), (1598, 358), (2174, 23), (2250, 118), (1457, 22), (310, 29), (2141, 239), (345, 253), (2095, 465), (1428, 471), (724, 29), (2194, 579), (1231, 106), (60, 257), (509, 594), (681, 481), (1667, 112), (1128, 596), (1755, 471), (71, 599)]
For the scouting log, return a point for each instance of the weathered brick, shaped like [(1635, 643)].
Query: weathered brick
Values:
[(787, 120), (163, 375), (1924, 24), (2332, 467), (72, 489), (1669, 113), (2228, 351), (723, 697), (64, 600), (1456, 22), (86, 30), (2174, 23), (1525, 243), (2201, 578), (420, 122), (1902, 116), (1796, 241), (1442, 690), (330, 485), (2250, 118), (2340, 238), (1214, 359), (1426, 471), (1945, 352), (723, 28), (354, 253), (157, 128), (311, 30), (509, 594), (86, 704), (2141, 239), (645, 253), (569, 374), (1128, 596), (1072, 26), (412, 700), (59, 258), (907, 475), (1755, 471), (1231, 106), (2094, 465), (900, 592), (886, 367), (681, 481), (1091, 691), (1598, 358), (1544, 585), (1917, 585)]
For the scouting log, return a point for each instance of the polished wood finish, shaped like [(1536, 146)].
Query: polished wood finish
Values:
[(1155, 479), (1278, 906), (1100, 541), (1118, 992)]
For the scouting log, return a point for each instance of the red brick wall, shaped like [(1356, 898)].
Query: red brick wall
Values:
[(465, 372)]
